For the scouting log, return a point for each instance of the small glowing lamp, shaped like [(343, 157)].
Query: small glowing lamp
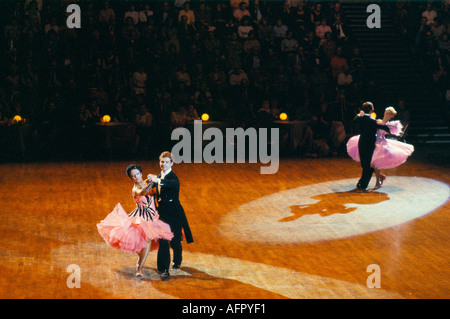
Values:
[(373, 115), (17, 119), (283, 116), (205, 117), (106, 119)]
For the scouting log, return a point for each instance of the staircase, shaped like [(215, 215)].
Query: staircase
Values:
[(391, 65)]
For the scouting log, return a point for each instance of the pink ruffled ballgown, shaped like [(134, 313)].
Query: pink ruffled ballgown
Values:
[(132, 232), (388, 153)]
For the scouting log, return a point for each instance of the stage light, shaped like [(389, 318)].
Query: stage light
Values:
[(283, 116), (205, 117), (17, 119), (374, 115), (106, 119)]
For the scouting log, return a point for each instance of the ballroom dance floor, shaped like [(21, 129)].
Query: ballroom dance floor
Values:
[(298, 234)]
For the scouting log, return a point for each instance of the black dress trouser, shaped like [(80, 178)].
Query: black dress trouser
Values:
[(163, 257), (365, 148)]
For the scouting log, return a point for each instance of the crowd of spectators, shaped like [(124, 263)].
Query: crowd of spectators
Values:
[(161, 64), (426, 27)]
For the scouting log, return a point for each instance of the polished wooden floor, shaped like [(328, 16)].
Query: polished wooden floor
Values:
[(49, 211)]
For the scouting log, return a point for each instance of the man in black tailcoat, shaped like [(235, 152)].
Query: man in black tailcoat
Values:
[(368, 128), (171, 212)]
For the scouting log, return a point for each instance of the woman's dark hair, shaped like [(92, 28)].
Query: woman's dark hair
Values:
[(132, 167)]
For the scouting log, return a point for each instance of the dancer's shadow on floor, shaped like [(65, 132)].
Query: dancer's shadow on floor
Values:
[(335, 203), (198, 284)]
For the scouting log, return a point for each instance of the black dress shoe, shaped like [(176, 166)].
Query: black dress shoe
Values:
[(165, 276), (176, 266)]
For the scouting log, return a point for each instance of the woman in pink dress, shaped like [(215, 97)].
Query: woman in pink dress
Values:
[(388, 153), (139, 231)]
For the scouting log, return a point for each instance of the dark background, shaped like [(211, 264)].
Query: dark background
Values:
[(62, 81)]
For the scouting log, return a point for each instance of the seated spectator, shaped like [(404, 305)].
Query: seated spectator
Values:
[(440, 67), (182, 75), (188, 13), (145, 14), (230, 27), (286, 13), (203, 16), (340, 31), (317, 14), (129, 28), (256, 13), (217, 77), (317, 136), (444, 43), (344, 79), (52, 25), (328, 45), (94, 112), (430, 14), (191, 113), (317, 59), (403, 114), (33, 14), (322, 29), (202, 94), (264, 29), (236, 75), (289, 45), (357, 66), (438, 29), (110, 66), (144, 130), (240, 12), (164, 14), (300, 18), (303, 58), (139, 81), (234, 49), (185, 31), (251, 43), (280, 29), (309, 42), (211, 43), (338, 63), (244, 29), (173, 41), (220, 17), (264, 117), (120, 114), (144, 117), (106, 13), (178, 118), (337, 12), (132, 13), (318, 84)]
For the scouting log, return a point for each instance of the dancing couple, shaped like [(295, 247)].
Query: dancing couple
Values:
[(157, 222), (371, 147)]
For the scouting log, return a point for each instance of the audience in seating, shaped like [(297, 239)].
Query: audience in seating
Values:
[(172, 60)]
